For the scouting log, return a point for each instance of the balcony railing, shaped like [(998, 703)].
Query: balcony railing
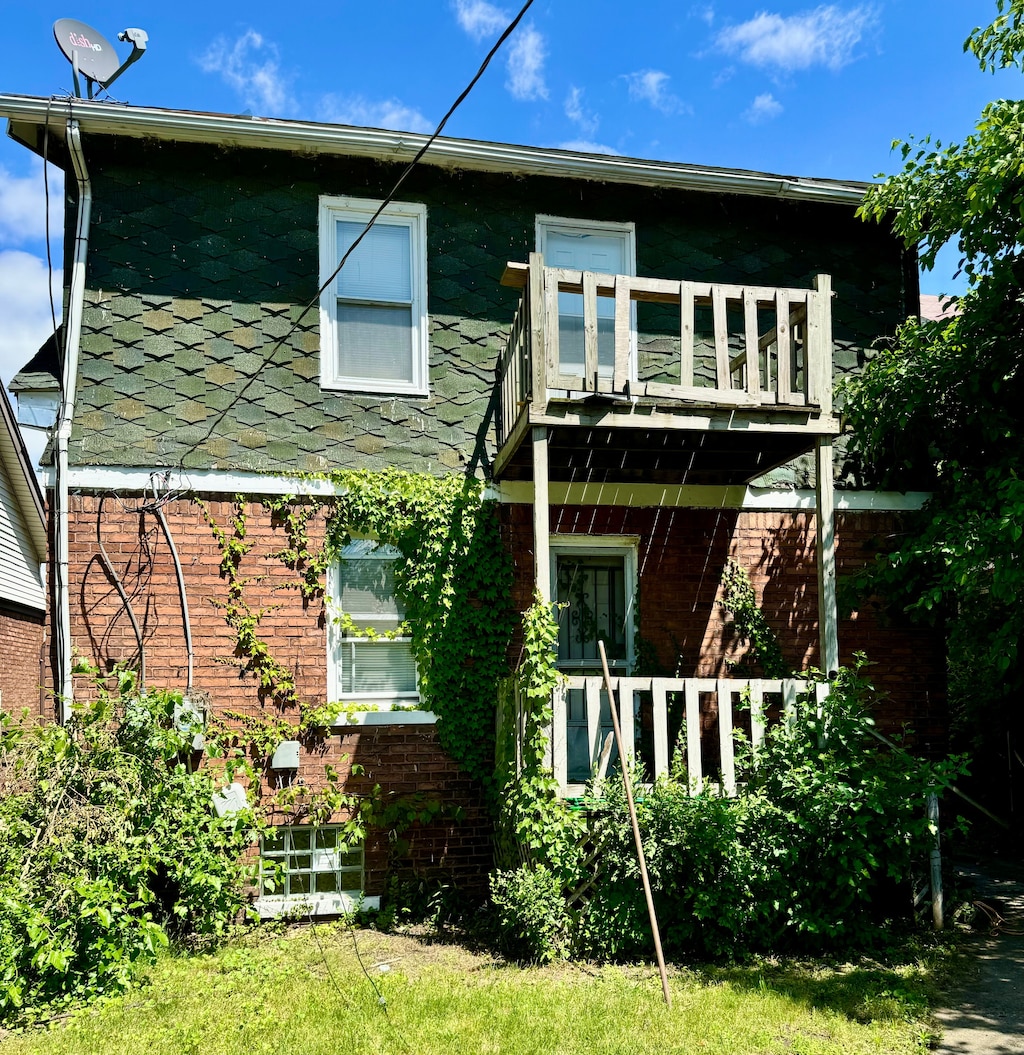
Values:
[(689, 723), (733, 346)]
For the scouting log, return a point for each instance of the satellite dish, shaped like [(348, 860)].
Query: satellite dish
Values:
[(92, 55)]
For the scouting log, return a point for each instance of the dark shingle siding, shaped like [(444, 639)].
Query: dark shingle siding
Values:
[(201, 260)]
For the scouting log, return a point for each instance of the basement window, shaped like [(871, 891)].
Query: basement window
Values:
[(310, 871)]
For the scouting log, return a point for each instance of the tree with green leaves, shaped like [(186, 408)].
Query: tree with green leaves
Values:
[(941, 406)]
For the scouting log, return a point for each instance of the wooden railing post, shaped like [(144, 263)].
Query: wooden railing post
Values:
[(536, 329), (822, 345)]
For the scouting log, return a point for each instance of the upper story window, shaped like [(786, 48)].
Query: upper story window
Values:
[(373, 316), (370, 660), (588, 245)]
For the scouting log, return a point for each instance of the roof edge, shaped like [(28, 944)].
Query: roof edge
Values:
[(19, 467), (105, 118)]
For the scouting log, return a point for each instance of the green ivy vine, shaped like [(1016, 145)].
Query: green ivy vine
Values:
[(453, 577), (535, 826), (749, 621)]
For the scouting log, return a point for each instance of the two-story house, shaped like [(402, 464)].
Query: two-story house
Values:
[(636, 357)]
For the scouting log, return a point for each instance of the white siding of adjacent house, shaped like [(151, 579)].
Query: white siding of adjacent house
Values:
[(20, 575)]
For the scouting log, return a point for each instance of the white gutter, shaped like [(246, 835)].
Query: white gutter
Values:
[(72, 343), (307, 137)]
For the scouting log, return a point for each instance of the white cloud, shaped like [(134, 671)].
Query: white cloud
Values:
[(586, 120), (250, 66), (825, 36), (480, 19), (651, 86), (587, 146), (526, 65), (23, 205), (764, 108), (24, 307), (382, 113)]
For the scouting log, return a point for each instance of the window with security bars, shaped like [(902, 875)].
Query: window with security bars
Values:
[(373, 660), (305, 862), (373, 312)]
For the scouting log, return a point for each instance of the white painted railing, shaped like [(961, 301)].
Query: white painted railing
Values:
[(724, 695)]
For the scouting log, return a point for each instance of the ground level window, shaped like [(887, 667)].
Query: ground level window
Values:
[(370, 660), (312, 870)]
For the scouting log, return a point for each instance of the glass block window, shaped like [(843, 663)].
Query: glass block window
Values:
[(378, 667), (373, 314), (310, 863)]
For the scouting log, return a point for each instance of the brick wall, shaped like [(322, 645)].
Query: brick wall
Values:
[(401, 759), (22, 634), (682, 554)]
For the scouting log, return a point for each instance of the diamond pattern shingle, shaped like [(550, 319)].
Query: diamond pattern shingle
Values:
[(202, 261)]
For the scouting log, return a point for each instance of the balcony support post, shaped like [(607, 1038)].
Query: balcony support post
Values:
[(828, 615), (541, 524)]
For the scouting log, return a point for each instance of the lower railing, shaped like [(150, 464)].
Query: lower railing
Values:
[(689, 725)]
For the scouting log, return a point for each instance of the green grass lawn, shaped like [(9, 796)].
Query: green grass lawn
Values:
[(302, 991)]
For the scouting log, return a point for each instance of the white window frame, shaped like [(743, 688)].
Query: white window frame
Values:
[(278, 902), (545, 223), (625, 546), (408, 214), (359, 549)]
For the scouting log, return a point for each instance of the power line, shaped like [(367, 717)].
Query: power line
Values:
[(315, 300)]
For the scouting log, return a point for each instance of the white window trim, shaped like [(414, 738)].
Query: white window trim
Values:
[(414, 216), (361, 549), (273, 905), (545, 223), (626, 546)]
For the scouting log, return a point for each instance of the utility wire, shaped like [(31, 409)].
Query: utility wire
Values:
[(315, 300)]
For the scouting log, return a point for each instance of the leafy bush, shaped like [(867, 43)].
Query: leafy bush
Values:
[(108, 846), (815, 851), (534, 923)]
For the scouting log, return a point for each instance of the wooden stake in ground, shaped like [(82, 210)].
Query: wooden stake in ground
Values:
[(627, 784)]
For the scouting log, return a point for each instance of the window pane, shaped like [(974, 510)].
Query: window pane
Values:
[(298, 884), (326, 883), (379, 268), (375, 342), (367, 588), (300, 838), (386, 668), (326, 838)]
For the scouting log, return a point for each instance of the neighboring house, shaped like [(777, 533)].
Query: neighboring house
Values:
[(636, 356), (22, 589)]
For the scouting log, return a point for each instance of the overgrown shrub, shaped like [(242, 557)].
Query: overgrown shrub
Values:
[(534, 923), (815, 851), (109, 845)]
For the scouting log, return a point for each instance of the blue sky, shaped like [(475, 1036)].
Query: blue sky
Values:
[(774, 85)]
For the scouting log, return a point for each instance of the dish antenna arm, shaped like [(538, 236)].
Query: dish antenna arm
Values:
[(139, 38)]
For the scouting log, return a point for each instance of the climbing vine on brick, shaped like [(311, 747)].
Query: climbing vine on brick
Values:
[(749, 621), (453, 577)]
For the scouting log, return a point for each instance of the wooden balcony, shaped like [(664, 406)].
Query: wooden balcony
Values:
[(694, 720), (729, 381)]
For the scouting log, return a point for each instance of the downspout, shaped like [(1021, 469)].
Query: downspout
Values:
[(69, 381)]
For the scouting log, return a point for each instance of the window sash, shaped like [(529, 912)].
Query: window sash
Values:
[(381, 669), (373, 321), (313, 861)]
